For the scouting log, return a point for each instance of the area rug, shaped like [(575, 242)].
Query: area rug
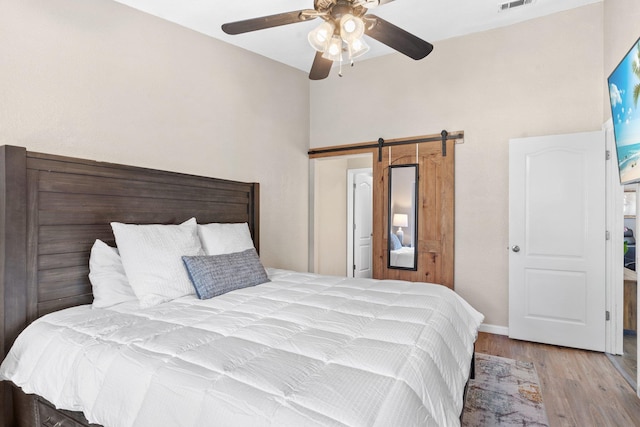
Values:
[(505, 392)]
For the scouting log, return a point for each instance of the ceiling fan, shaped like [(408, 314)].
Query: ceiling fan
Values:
[(345, 22)]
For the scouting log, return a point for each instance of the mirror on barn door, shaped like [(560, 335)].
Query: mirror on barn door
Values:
[(403, 218)]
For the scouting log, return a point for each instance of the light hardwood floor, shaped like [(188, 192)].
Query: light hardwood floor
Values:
[(627, 362), (579, 388)]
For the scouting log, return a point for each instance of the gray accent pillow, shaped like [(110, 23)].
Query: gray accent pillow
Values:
[(215, 275)]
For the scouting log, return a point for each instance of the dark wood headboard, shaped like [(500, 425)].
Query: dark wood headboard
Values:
[(53, 208)]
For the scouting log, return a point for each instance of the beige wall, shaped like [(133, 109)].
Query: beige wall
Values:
[(535, 78), (621, 30), (98, 80), (330, 210)]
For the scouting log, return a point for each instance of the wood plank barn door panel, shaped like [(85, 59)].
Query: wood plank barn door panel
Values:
[(435, 212)]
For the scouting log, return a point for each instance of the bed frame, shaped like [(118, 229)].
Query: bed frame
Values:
[(53, 208)]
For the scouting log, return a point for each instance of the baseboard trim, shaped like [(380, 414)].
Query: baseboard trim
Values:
[(494, 329)]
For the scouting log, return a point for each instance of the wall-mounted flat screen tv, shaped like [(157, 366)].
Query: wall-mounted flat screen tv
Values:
[(624, 93)]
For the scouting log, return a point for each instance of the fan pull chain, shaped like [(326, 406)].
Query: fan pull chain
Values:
[(340, 69)]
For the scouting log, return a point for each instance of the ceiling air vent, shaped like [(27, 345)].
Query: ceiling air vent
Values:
[(512, 4)]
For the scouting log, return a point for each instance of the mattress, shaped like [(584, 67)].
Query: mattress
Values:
[(302, 349)]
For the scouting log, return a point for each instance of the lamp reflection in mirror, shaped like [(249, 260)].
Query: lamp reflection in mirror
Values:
[(400, 220)]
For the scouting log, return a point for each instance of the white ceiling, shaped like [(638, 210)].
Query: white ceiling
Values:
[(431, 20)]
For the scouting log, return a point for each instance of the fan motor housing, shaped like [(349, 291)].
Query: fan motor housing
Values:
[(343, 7)]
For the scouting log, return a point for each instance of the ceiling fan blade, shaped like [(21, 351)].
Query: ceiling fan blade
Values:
[(396, 38), (320, 68), (248, 25)]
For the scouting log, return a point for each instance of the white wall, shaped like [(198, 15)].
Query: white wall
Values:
[(539, 77), (99, 80)]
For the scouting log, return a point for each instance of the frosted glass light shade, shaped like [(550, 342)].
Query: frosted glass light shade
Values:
[(351, 27), (357, 48), (320, 36), (334, 50)]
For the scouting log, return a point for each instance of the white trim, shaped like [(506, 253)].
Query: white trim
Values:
[(494, 329), (637, 292), (614, 282)]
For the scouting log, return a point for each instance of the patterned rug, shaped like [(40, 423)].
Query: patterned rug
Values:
[(505, 392)]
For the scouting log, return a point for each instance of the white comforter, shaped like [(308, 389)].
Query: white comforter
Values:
[(301, 350), (403, 257)]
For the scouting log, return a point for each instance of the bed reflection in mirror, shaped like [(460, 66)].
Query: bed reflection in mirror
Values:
[(402, 211)]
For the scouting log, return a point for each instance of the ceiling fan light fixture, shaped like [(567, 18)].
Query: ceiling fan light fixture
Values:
[(344, 25), (320, 36), (351, 27), (334, 50)]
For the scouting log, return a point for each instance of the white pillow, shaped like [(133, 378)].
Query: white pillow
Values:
[(107, 277), (218, 239), (152, 258)]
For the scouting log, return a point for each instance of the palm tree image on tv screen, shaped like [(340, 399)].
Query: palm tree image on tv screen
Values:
[(624, 93)]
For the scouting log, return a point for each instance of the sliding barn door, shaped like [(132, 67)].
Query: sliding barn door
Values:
[(435, 211)]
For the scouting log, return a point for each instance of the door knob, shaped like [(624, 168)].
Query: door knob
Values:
[(515, 248)]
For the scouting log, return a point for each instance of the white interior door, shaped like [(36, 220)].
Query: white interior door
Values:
[(362, 224), (557, 240)]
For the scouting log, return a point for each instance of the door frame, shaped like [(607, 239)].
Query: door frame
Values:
[(614, 283), (614, 274), (351, 174)]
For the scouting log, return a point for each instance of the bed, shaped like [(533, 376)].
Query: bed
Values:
[(404, 257), (297, 349)]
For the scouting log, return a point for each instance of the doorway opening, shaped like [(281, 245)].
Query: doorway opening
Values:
[(622, 223), (330, 230), (627, 362), (359, 222)]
